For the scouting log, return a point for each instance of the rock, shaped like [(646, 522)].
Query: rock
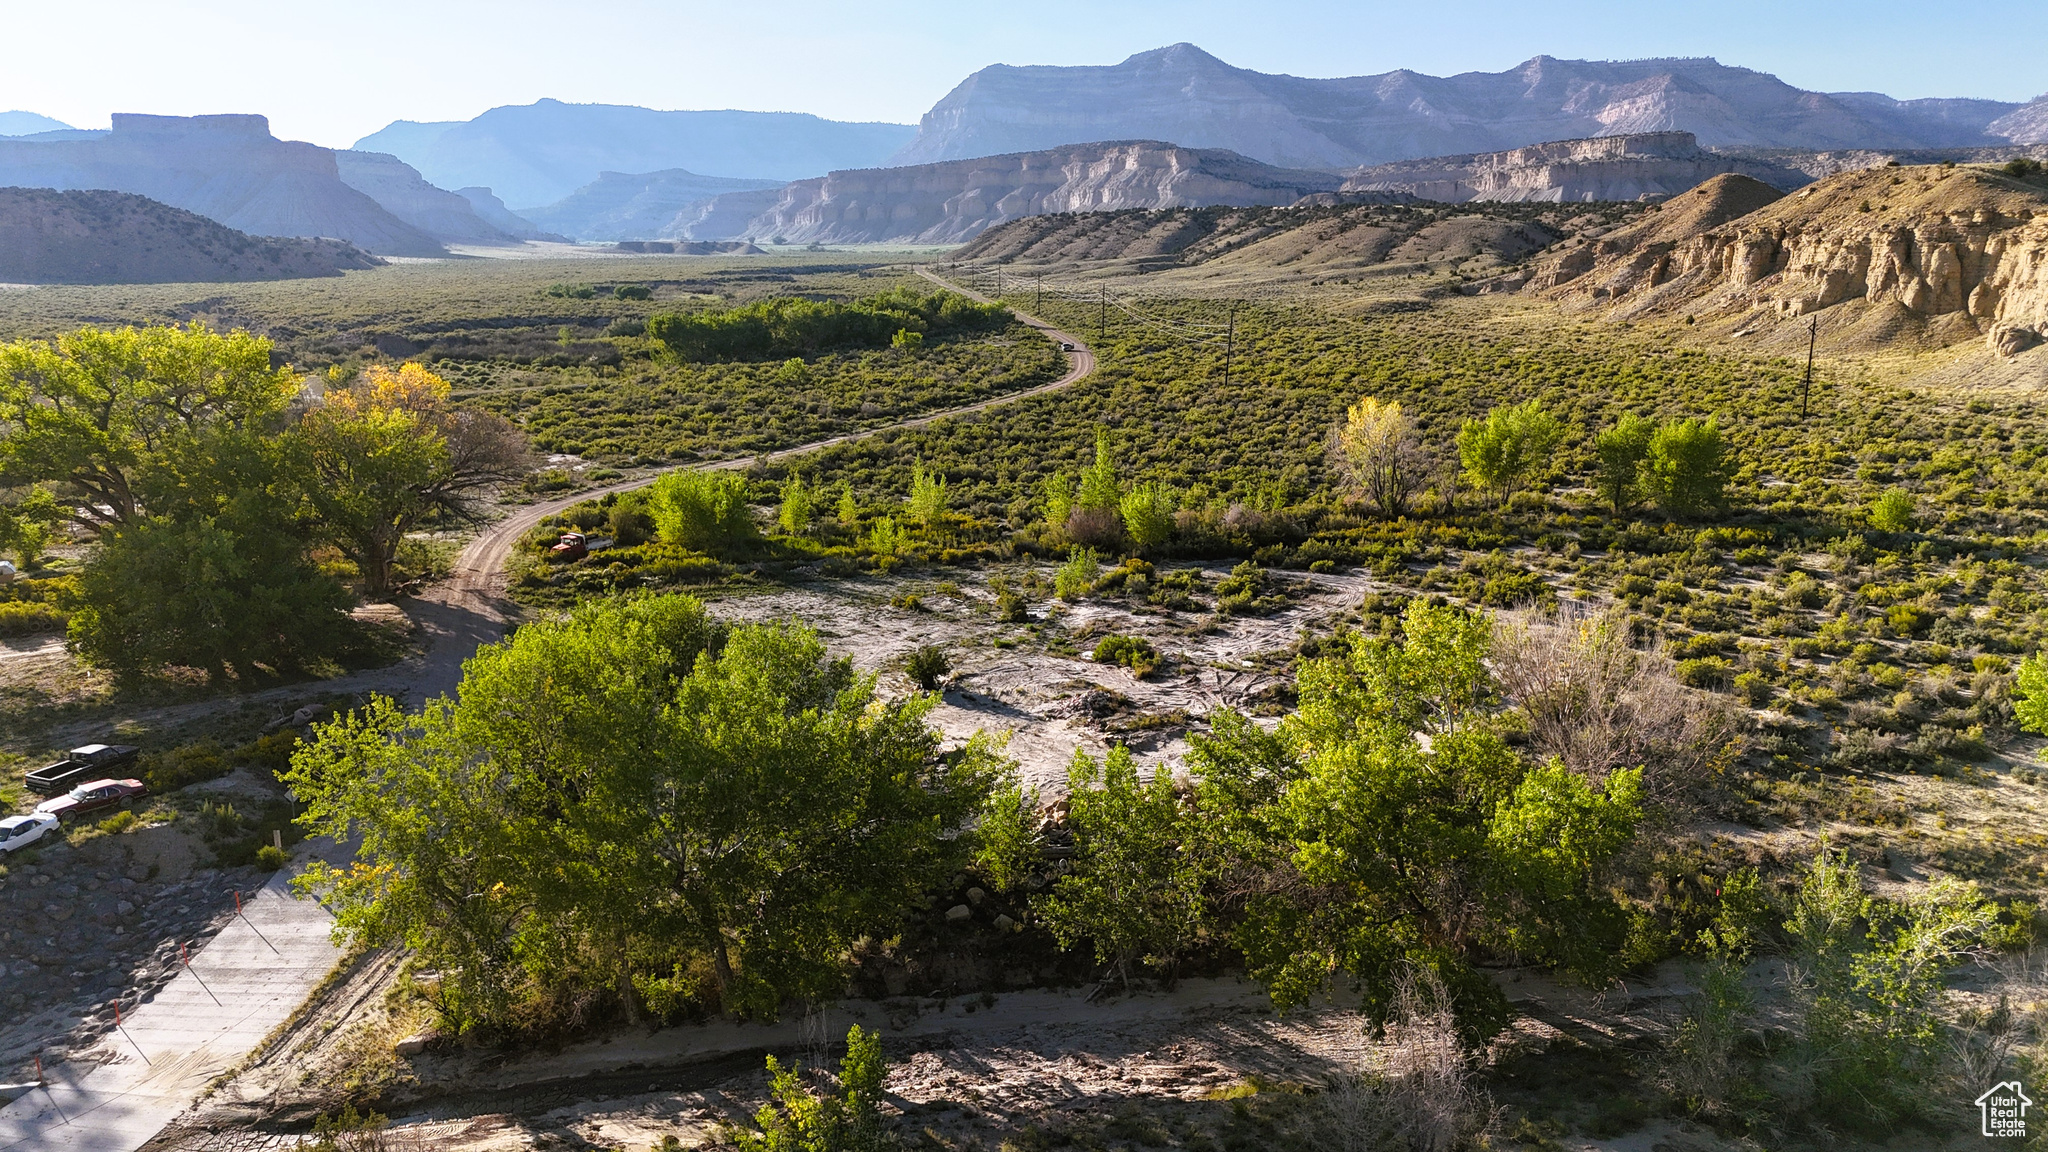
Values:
[(975, 896), (1648, 165), (1004, 923), (958, 912), (414, 1044), (2011, 339)]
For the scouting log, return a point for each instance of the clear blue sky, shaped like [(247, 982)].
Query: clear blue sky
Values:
[(331, 72)]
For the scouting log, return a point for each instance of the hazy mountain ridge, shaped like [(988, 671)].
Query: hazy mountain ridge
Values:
[(227, 168), (537, 154), (1183, 94), (19, 123), (628, 206), (949, 202), (399, 190), (100, 237)]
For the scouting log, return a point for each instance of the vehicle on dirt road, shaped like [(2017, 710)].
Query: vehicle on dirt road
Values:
[(89, 762), (570, 547), (18, 832), (92, 797)]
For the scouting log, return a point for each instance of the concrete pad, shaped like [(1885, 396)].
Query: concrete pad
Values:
[(244, 983)]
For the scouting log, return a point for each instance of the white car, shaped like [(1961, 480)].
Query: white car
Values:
[(21, 831)]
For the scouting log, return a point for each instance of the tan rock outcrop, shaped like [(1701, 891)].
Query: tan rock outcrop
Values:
[(1645, 166), (1937, 242)]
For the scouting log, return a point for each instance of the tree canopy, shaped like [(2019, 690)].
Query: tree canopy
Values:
[(640, 800)]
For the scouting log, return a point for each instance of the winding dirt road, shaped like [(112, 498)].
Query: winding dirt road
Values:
[(468, 610)]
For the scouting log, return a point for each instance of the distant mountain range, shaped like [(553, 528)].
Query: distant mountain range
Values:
[(1185, 95), (537, 154), (28, 124), (94, 237)]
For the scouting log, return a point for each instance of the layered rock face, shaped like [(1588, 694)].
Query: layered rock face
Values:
[(226, 168), (404, 193), (1185, 95), (97, 237), (1965, 246), (1648, 166), (952, 202)]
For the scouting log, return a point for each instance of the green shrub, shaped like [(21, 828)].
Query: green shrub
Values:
[(1078, 575), (633, 292), (1704, 672), (1133, 652), (703, 511), (179, 767), (1893, 511), (1909, 619), (927, 665), (270, 858)]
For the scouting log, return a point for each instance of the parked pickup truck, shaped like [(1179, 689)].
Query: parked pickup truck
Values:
[(88, 763)]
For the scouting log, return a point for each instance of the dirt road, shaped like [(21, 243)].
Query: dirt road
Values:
[(468, 609)]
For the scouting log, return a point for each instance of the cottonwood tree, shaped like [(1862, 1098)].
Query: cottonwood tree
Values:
[(1619, 452), (1389, 826), (1502, 451), (1377, 450), (634, 791), (96, 411), (389, 454), (1686, 468)]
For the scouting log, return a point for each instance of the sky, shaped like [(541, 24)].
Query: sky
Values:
[(334, 72)]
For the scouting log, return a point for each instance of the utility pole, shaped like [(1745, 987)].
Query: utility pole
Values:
[(1229, 342), (1102, 318), (1806, 385)]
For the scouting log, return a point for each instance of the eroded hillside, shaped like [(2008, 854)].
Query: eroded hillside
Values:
[(1889, 257)]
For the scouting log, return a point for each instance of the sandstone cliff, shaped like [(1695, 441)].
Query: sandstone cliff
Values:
[(401, 191), (955, 201), (95, 237), (1935, 253), (226, 168), (1649, 166), (1185, 95)]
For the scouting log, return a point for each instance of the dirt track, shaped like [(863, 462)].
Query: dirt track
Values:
[(468, 609)]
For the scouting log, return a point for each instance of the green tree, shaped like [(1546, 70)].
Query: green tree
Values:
[(848, 511), (1134, 895), (632, 791), (2030, 694), (1389, 823), (390, 454), (1620, 452), (798, 502), (705, 511), (1508, 447), (26, 523), (1686, 471), (1148, 514), (1059, 501), (97, 411), (1100, 489), (216, 575), (1377, 450), (927, 498)]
